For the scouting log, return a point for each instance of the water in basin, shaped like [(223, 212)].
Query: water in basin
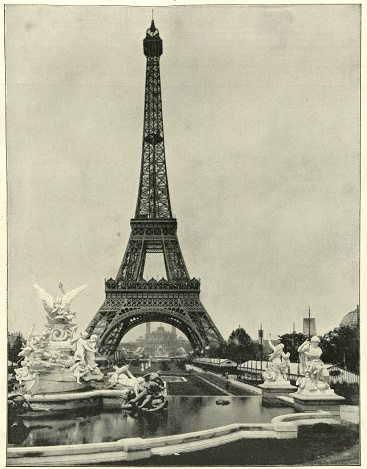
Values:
[(184, 414)]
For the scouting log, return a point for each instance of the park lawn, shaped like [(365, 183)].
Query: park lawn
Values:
[(193, 386), (170, 368)]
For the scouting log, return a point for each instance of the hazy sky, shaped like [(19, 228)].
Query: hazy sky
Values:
[(261, 120)]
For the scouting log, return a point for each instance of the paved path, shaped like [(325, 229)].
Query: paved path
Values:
[(350, 415)]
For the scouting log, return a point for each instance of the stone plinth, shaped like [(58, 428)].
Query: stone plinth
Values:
[(272, 389), (312, 402)]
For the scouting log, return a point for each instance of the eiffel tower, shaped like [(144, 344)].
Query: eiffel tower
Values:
[(131, 300)]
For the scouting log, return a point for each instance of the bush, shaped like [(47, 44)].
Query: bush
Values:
[(163, 365), (181, 364)]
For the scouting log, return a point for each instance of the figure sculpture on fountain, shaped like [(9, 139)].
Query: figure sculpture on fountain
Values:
[(122, 376), (85, 351), (315, 373), (279, 363), (145, 392), (149, 392), (58, 311)]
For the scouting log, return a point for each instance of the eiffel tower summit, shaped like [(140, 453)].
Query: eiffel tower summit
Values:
[(131, 300)]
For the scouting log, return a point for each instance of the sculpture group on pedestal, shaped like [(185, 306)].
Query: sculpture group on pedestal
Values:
[(312, 391), (315, 379), (279, 363)]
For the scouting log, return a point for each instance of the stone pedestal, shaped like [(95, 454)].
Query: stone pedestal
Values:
[(272, 389), (318, 400)]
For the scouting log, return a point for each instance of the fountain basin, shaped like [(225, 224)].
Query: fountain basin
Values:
[(129, 449), (66, 402)]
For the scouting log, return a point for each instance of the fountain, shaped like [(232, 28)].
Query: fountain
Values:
[(122, 418), (59, 366), (58, 360)]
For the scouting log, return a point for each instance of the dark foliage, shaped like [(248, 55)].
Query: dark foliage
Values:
[(13, 352), (240, 346), (291, 343), (181, 364), (341, 347), (163, 365)]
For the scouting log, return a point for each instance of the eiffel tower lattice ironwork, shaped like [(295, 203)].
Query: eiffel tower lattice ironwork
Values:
[(131, 300)]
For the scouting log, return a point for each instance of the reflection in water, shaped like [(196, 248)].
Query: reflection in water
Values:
[(184, 414)]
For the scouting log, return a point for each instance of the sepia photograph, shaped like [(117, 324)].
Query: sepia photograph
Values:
[(183, 202)]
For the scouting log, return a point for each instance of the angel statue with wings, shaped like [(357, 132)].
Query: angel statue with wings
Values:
[(58, 310)]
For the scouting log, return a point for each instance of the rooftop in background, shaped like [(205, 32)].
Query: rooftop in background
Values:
[(351, 319)]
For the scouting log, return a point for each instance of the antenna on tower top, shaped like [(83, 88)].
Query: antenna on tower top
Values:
[(152, 26)]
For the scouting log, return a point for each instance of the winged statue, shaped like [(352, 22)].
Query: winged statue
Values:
[(60, 307)]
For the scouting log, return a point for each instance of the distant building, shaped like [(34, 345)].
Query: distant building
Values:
[(163, 343), (351, 319)]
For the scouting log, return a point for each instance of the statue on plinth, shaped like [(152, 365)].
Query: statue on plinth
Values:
[(315, 373), (279, 363)]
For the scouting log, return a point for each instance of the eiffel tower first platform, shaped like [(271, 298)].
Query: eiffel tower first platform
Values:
[(131, 300)]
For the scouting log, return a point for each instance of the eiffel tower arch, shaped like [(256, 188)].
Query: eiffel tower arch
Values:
[(131, 300)]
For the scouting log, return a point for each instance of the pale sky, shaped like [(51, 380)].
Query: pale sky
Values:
[(261, 120)]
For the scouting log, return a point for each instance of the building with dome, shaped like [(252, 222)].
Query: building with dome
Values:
[(351, 319)]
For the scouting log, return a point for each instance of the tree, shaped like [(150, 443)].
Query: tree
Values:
[(240, 346), (13, 350), (291, 343), (216, 350), (341, 347)]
